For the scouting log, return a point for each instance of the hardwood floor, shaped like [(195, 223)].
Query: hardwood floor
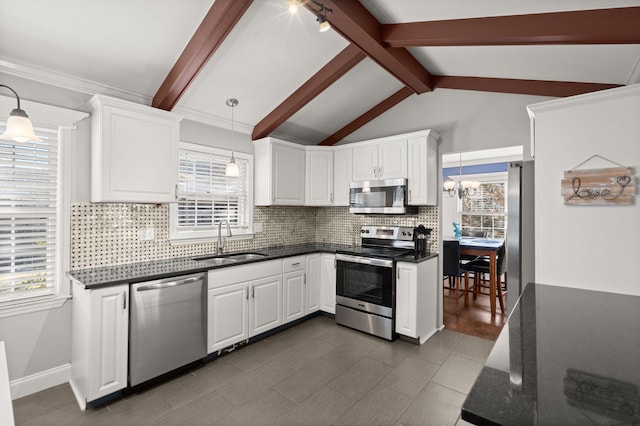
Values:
[(475, 319)]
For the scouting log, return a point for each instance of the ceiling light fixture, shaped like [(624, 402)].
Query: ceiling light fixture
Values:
[(232, 169), (19, 127), (461, 187), (323, 23)]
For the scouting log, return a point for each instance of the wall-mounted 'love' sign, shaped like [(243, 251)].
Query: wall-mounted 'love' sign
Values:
[(598, 186)]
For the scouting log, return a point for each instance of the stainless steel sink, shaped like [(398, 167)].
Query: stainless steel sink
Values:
[(215, 260), (230, 258), (240, 257)]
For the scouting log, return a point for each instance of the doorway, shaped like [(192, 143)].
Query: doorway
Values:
[(481, 211)]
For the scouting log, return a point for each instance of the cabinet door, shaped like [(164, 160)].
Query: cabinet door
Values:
[(109, 336), (392, 159), (227, 316), (422, 171), (365, 162), (342, 176), (406, 296), (134, 153), (293, 295), (265, 307), (319, 179), (328, 283), (288, 175), (312, 283)]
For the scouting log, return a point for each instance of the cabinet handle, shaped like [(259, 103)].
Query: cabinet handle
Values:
[(304, 279), (295, 264), (247, 294), (124, 302), (253, 292), (331, 198), (409, 195), (398, 274), (176, 191)]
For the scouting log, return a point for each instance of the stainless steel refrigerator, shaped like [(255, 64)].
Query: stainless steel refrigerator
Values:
[(520, 229)]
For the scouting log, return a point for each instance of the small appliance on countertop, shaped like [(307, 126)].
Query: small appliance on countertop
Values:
[(420, 237)]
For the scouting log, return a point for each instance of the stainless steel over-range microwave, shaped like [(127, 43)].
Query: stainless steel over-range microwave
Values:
[(388, 196)]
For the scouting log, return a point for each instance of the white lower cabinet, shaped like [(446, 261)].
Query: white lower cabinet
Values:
[(100, 334), (293, 282), (312, 284), (243, 301), (328, 283), (417, 299), (227, 316)]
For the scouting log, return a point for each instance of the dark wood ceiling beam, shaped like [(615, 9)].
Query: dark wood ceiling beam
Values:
[(374, 112), (214, 28), (517, 86), (355, 23), (329, 74), (599, 26)]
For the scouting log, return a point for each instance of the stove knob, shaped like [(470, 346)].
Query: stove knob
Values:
[(362, 231), (404, 233)]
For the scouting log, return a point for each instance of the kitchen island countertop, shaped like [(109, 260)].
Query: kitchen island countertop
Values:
[(566, 356)]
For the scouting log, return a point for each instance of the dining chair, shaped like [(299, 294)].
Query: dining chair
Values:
[(481, 267), (453, 271)]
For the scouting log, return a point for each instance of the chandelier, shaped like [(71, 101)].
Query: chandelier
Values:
[(462, 188)]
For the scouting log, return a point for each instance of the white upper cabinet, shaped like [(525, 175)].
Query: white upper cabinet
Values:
[(279, 173), (342, 175), (134, 152), (319, 179), (423, 169), (383, 159)]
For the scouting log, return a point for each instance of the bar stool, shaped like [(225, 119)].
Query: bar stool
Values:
[(453, 271)]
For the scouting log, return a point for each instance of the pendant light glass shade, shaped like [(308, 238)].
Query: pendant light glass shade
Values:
[(19, 127), (232, 169), (461, 187)]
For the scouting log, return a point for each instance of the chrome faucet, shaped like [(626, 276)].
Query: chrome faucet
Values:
[(220, 243)]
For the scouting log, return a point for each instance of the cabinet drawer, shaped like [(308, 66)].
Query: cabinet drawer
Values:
[(291, 264), (252, 271)]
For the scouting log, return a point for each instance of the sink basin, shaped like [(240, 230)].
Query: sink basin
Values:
[(245, 256), (215, 260), (229, 258)]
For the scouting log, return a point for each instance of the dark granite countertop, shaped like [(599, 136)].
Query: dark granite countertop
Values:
[(146, 271), (565, 357)]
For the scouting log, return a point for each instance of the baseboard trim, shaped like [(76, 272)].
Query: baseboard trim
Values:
[(40, 381)]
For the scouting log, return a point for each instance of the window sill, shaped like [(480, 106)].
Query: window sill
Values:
[(176, 241), (21, 307)]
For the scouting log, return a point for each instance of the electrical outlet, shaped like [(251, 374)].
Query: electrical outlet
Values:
[(147, 234), (257, 227)]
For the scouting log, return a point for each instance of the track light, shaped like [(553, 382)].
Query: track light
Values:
[(19, 127), (323, 23)]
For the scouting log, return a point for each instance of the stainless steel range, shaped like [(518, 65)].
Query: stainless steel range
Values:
[(366, 280)]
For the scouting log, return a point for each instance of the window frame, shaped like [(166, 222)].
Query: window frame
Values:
[(62, 120), (209, 234), (486, 178)]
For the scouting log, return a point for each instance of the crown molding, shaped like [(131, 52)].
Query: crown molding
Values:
[(68, 82)]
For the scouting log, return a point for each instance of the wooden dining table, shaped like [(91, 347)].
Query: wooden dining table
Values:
[(485, 247)]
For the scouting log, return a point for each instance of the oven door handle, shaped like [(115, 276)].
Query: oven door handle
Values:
[(385, 263)]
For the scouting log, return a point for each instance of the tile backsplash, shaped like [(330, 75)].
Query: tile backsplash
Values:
[(107, 234)]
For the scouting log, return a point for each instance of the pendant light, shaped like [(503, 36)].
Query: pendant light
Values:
[(461, 187), (19, 127), (232, 169)]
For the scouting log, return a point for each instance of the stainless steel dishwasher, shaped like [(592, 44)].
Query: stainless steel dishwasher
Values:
[(168, 325)]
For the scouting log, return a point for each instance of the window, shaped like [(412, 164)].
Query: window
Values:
[(34, 211), (207, 197), (486, 209)]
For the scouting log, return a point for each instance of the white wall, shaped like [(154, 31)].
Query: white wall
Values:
[(466, 120), (586, 246)]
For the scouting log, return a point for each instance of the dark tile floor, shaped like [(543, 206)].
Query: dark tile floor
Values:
[(315, 373)]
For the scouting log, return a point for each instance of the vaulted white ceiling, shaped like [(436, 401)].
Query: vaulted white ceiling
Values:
[(126, 48)]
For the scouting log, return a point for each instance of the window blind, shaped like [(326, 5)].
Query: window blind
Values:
[(28, 216), (207, 196)]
